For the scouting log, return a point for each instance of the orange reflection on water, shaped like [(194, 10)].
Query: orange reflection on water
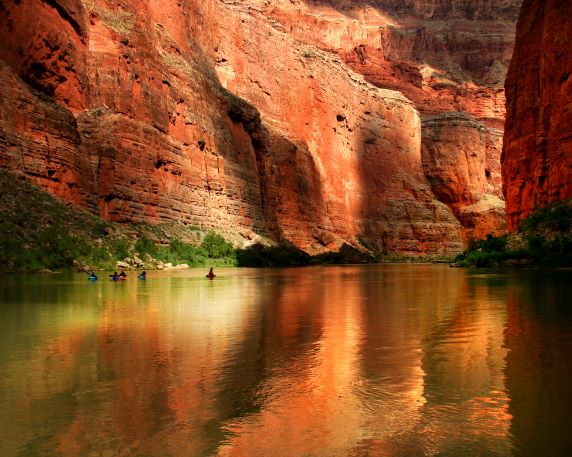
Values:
[(378, 360), (311, 404)]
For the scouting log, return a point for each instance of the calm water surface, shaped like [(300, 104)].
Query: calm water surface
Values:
[(389, 360)]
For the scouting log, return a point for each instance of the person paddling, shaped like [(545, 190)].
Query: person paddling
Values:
[(210, 274)]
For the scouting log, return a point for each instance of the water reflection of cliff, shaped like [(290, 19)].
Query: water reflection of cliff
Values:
[(538, 365), (392, 369), (116, 367), (433, 358), (309, 330), (374, 360)]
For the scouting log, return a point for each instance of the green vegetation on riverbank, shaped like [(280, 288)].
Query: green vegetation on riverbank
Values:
[(544, 239), (39, 232)]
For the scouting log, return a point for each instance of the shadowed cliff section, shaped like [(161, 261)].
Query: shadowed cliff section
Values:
[(537, 152), (460, 41), (400, 212), (460, 162), (287, 176), (430, 10), (71, 12)]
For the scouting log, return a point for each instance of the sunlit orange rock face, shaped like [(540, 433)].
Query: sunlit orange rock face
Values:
[(312, 122), (537, 156), (43, 72), (447, 58)]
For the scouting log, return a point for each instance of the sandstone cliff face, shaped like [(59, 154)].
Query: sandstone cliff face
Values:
[(123, 118), (446, 57), (460, 159), (40, 138), (245, 117), (342, 142), (537, 155), (45, 43)]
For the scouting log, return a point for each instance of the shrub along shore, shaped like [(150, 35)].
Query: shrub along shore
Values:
[(544, 239)]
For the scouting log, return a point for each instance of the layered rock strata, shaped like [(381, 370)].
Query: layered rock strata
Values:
[(537, 155), (447, 58), (145, 137), (241, 116), (460, 160), (344, 143)]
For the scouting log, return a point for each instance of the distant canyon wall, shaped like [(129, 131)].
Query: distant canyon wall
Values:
[(450, 60), (305, 121), (537, 156)]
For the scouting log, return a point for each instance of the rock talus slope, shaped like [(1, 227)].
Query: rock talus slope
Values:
[(290, 120)]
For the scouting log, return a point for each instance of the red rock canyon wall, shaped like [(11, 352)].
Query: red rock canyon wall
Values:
[(537, 156), (447, 58), (312, 122)]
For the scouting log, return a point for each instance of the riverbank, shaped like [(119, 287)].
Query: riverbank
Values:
[(41, 233), (543, 240)]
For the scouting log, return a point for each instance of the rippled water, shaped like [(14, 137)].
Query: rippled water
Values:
[(389, 360)]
